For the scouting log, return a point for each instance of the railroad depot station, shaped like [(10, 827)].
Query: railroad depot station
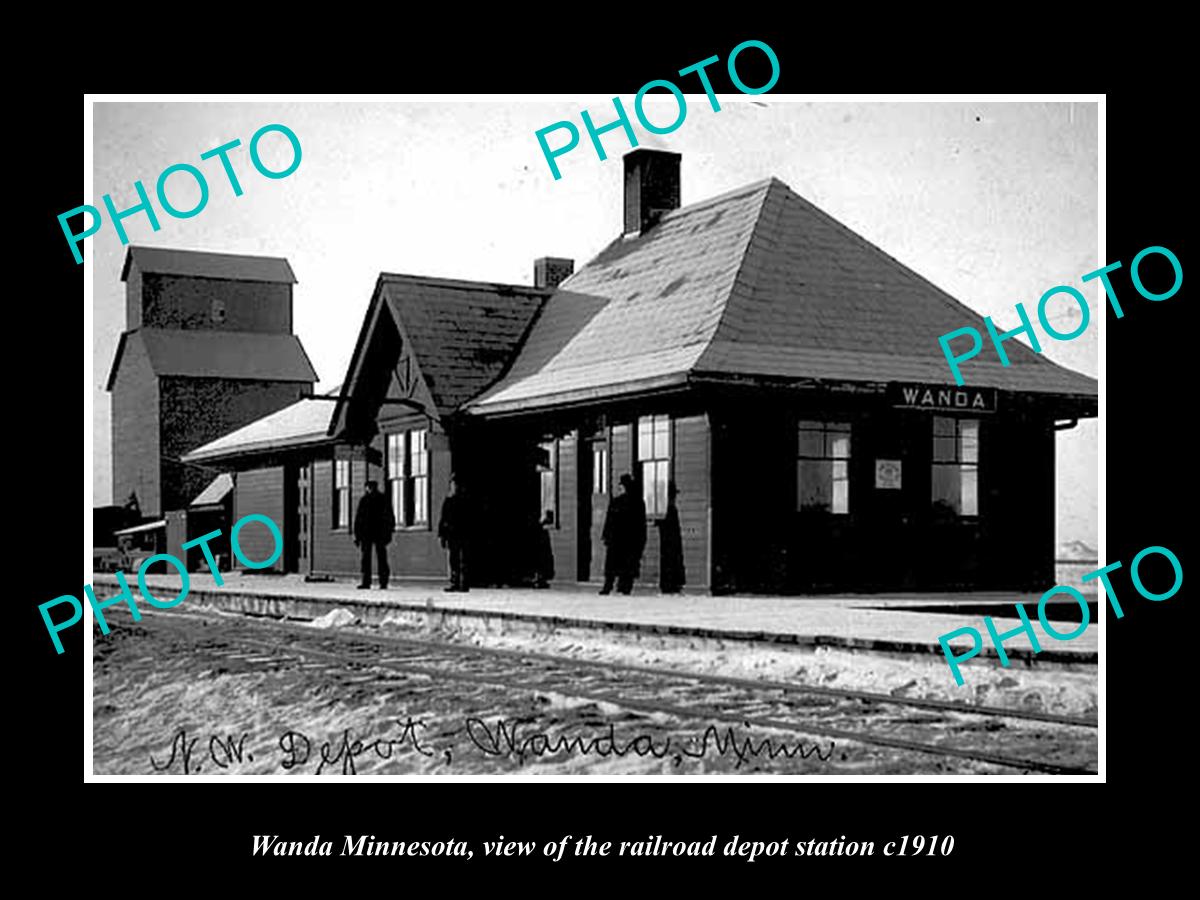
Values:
[(781, 371)]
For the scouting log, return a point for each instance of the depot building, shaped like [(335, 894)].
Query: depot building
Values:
[(781, 371)]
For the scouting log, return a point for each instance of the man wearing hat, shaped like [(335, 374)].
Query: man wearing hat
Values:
[(373, 527), (453, 532), (624, 537), (671, 575)]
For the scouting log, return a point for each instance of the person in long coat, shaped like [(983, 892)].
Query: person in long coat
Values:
[(373, 527), (454, 533), (670, 541), (624, 538), (543, 556)]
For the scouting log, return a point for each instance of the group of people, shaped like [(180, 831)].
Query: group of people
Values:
[(624, 538), (374, 523)]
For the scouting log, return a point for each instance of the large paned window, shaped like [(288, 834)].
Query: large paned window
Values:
[(654, 453), (956, 464), (394, 458), (599, 469), (406, 458), (548, 476), (341, 493), (823, 467)]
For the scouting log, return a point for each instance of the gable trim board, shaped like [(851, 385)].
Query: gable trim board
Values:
[(460, 336)]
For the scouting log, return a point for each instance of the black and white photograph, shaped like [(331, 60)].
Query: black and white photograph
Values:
[(469, 437)]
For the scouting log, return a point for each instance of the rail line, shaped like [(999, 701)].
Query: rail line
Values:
[(647, 689)]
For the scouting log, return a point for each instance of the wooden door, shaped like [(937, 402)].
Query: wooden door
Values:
[(304, 519), (595, 468)]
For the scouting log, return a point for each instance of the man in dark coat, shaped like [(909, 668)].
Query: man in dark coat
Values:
[(373, 527), (624, 538), (453, 531), (543, 559), (670, 542)]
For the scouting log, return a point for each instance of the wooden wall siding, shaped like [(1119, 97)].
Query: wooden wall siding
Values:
[(172, 301), (413, 553), (135, 435), (622, 460), (690, 462), (133, 299), (500, 464), (691, 478), (261, 491), (735, 468), (177, 536), (753, 457), (891, 540), (564, 539), (333, 550)]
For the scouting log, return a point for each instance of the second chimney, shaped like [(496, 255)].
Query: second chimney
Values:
[(551, 271), (651, 187)]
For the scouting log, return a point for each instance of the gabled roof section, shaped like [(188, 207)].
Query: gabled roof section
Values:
[(640, 314), (757, 282), (454, 337), (197, 264), (301, 424), (204, 353)]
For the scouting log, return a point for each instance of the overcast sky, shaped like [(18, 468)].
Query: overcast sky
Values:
[(994, 203)]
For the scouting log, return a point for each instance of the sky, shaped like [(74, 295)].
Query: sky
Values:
[(993, 202)]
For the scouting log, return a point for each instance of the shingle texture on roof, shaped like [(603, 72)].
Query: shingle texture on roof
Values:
[(639, 314), (303, 422), (197, 264), (462, 333), (816, 300), (202, 353), (757, 282)]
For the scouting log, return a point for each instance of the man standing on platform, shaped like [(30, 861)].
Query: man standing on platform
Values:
[(624, 537), (453, 531), (373, 527)]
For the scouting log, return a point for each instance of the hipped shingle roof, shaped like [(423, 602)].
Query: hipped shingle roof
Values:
[(757, 282)]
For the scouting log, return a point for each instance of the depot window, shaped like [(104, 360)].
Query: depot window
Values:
[(406, 457), (341, 493), (548, 477), (823, 467), (654, 453), (599, 469), (956, 465)]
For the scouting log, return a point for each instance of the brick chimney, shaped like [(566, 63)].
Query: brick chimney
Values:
[(551, 271), (651, 187)]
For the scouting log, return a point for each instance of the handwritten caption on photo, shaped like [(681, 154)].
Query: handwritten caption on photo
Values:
[(98, 606), (507, 738), (1026, 626), (587, 846)]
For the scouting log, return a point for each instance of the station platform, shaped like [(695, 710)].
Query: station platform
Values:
[(892, 623)]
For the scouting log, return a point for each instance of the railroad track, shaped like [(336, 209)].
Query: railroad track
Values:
[(958, 730)]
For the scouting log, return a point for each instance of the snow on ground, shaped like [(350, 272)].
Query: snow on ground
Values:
[(1051, 687)]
